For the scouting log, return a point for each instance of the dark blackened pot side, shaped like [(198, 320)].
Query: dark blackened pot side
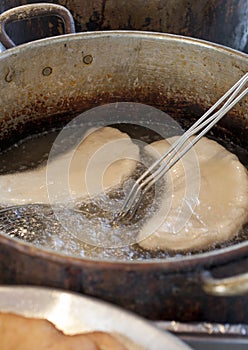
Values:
[(219, 21)]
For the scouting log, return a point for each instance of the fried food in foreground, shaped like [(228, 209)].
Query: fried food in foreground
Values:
[(21, 333)]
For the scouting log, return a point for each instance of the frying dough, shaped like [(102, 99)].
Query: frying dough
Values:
[(220, 209), (21, 333), (103, 160)]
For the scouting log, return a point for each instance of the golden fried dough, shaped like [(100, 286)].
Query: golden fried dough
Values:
[(106, 341), (21, 333)]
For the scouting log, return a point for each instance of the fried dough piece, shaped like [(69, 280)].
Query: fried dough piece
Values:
[(106, 341), (220, 209), (21, 333), (103, 160)]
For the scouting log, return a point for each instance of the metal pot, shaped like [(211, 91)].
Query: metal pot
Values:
[(220, 21), (178, 75)]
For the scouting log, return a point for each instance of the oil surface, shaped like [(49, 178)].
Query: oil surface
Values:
[(38, 224)]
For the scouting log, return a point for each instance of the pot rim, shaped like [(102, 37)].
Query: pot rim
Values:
[(120, 33), (209, 258), (205, 259)]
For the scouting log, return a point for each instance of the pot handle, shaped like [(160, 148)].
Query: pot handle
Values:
[(230, 286), (30, 11)]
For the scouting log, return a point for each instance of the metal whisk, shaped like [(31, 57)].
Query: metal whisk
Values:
[(178, 149)]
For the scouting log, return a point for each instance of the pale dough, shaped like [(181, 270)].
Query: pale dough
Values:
[(103, 160), (220, 210)]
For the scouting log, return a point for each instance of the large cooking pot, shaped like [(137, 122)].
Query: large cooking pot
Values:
[(220, 21), (179, 75)]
